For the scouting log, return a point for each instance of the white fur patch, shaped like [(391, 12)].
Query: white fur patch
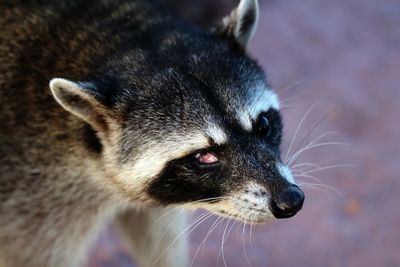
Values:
[(286, 173), (261, 101), (154, 158), (250, 204), (156, 155), (217, 134), (244, 119)]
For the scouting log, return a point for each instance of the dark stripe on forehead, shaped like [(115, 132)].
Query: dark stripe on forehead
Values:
[(211, 96)]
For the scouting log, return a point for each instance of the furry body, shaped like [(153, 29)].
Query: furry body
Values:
[(145, 100), (48, 157)]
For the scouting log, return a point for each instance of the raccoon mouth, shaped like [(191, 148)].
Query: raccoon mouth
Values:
[(261, 216)]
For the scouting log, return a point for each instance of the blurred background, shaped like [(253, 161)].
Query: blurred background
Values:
[(336, 67)]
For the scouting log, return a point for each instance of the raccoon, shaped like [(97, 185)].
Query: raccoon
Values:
[(119, 111)]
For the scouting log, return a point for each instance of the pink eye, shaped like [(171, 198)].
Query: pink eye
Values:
[(206, 158)]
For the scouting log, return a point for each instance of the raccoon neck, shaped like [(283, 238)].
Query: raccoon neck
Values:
[(67, 197)]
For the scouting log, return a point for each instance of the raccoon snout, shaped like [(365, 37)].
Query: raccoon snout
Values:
[(287, 203)]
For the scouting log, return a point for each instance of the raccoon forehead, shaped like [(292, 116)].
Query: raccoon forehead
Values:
[(257, 102)]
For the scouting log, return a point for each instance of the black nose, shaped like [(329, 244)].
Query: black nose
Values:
[(287, 203)]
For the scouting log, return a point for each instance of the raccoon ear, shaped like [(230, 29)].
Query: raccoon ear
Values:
[(82, 100), (241, 24)]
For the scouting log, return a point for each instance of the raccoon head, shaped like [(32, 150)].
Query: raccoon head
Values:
[(190, 120)]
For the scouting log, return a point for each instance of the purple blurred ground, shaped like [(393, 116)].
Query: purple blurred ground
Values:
[(341, 54)]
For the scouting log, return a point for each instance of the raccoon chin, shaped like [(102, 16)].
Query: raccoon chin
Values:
[(242, 209), (247, 216)]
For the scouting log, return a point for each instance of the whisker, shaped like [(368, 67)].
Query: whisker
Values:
[(165, 231), (306, 186), (285, 88), (295, 97), (288, 107), (222, 239), (296, 167), (174, 219), (329, 167), (309, 177), (230, 229), (223, 242), (251, 233), (181, 206), (310, 143), (195, 224), (320, 185), (213, 226), (299, 153), (298, 128), (306, 165), (244, 247), (315, 126)]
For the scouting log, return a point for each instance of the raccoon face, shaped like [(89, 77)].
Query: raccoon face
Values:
[(240, 176), (239, 172), (201, 128)]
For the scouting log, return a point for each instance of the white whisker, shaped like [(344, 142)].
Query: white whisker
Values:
[(298, 128), (307, 136), (195, 224), (213, 226), (223, 242), (321, 186), (243, 245), (310, 143), (299, 153), (329, 167)]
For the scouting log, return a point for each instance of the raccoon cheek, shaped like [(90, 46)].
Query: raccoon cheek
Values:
[(206, 158)]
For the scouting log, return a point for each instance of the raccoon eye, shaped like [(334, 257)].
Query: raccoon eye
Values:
[(264, 126), (206, 157)]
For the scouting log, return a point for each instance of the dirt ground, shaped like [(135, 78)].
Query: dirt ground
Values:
[(341, 57)]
